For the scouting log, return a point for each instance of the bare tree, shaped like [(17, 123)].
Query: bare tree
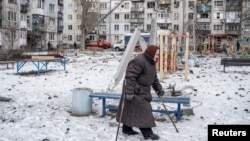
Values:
[(89, 17)]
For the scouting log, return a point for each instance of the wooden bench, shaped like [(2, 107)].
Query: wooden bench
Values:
[(235, 62), (4, 60), (166, 99)]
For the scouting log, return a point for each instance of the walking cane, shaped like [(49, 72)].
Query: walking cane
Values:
[(168, 114), (120, 118)]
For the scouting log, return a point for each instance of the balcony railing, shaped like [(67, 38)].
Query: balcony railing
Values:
[(136, 9), (136, 20), (233, 8), (204, 9), (38, 27), (231, 32), (203, 32)]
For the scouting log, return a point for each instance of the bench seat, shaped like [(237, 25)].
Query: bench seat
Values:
[(226, 62), (165, 99), (4, 60)]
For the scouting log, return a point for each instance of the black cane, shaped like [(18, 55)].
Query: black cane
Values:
[(168, 114), (120, 118)]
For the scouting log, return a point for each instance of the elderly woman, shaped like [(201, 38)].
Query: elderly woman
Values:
[(135, 109)]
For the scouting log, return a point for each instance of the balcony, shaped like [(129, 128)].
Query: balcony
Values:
[(60, 15), (137, 20), (203, 32), (24, 8), (233, 8), (38, 27), (204, 9), (60, 28), (164, 2), (136, 9), (60, 2), (231, 32)]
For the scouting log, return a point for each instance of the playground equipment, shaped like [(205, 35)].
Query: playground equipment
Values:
[(169, 48)]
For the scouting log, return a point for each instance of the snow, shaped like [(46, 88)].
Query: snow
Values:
[(40, 106)]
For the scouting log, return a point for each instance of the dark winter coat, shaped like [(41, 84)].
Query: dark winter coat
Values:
[(140, 76)]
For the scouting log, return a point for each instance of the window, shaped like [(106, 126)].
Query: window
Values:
[(176, 27), (92, 38), (161, 15), (70, 27), (149, 15), (78, 38), (232, 27), (116, 27), (23, 17), (117, 16), (51, 7), (204, 16), (79, 17), (116, 37), (126, 27), (190, 16), (246, 27), (79, 27), (52, 21), (23, 34), (248, 3), (102, 27), (70, 7), (218, 15), (126, 16), (51, 36), (148, 27), (203, 26), (176, 16), (217, 27), (40, 4), (69, 17), (60, 23), (103, 5), (151, 4), (11, 16), (28, 19), (93, 5), (218, 3), (191, 4), (79, 7), (126, 6), (12, 1), (69, 37)]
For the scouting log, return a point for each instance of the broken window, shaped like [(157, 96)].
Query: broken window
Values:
[(151, 4), (176, 27), (190, 16), (191, 4)]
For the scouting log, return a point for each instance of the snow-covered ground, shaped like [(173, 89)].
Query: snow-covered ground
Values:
[(40, 106)]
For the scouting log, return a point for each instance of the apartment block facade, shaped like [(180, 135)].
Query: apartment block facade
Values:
[(33, 23), (30, 24)]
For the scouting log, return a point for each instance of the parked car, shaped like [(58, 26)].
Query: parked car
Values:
[(99, 43)]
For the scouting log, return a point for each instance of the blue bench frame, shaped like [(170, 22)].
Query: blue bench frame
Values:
[(165, 99), (40, 64)]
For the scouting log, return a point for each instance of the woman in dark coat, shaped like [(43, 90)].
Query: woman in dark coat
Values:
[(136, 108)]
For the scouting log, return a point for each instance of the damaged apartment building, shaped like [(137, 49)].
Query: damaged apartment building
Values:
[(31, 24)]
